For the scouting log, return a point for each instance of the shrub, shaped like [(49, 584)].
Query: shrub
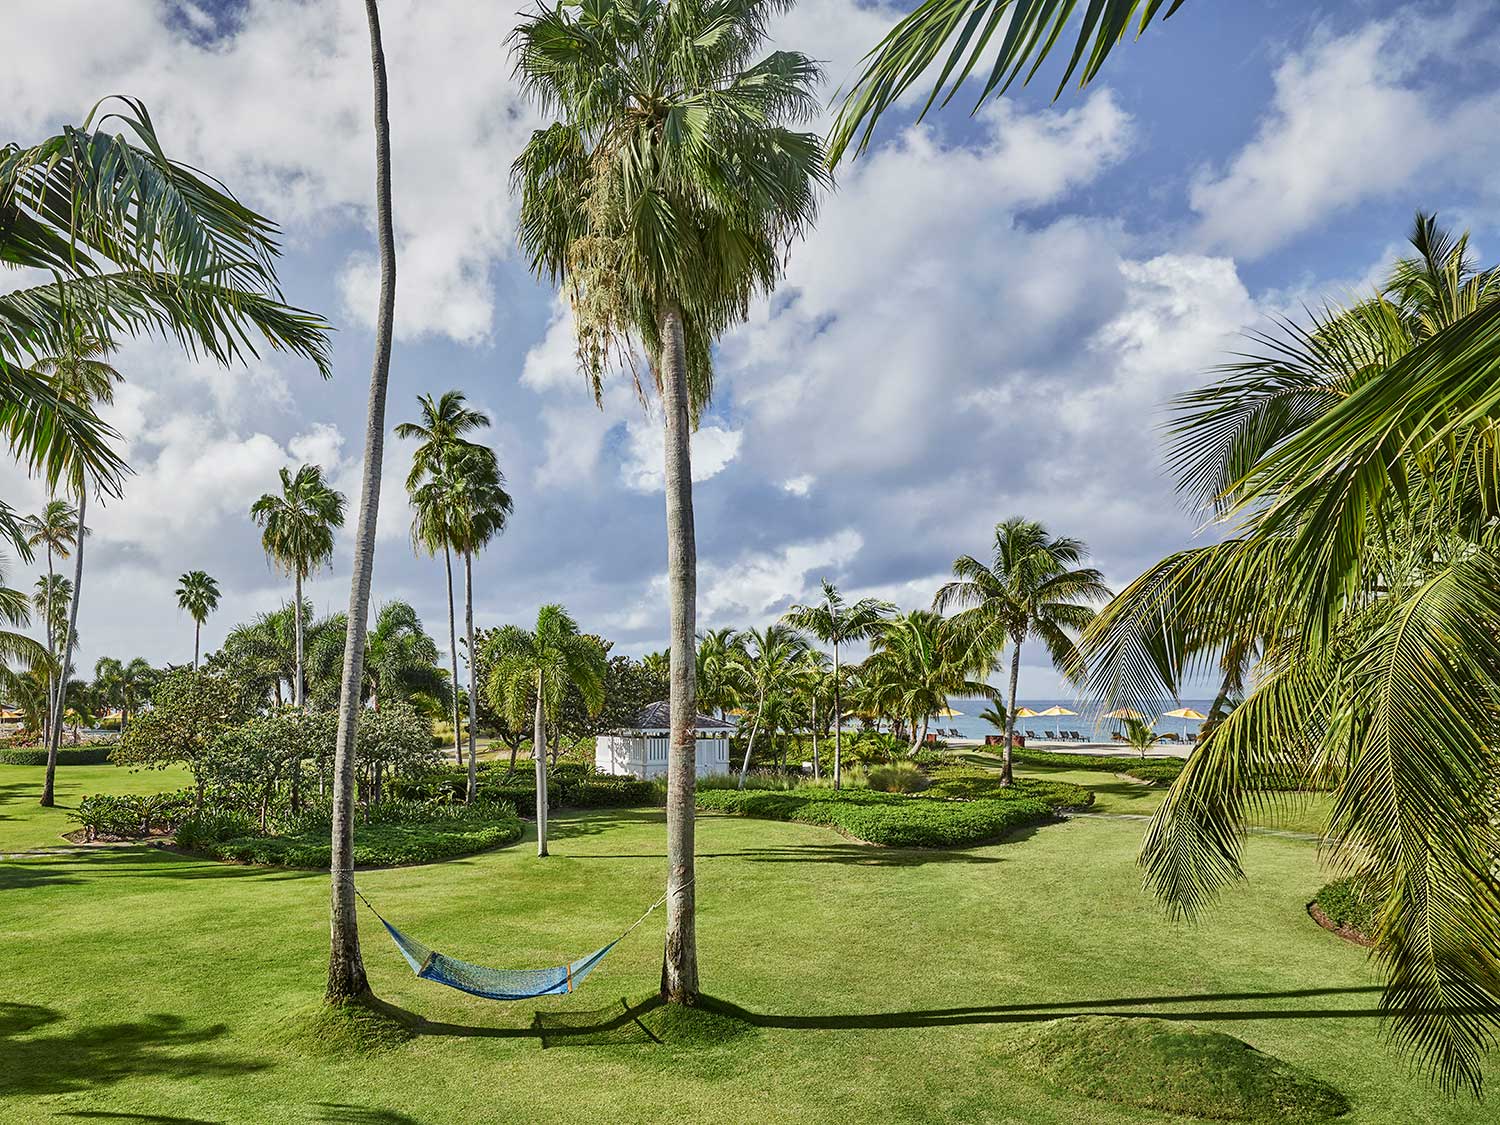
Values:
[(131, 817), (966, 783), (1157, 773), (89, 755), (888, 819), (897, 777), (1350, 903)]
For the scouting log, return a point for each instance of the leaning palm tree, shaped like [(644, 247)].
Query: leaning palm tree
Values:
[(15, 647), (1363, 559), (1034, 586), (834, 622), (346, 967), (198, 596), (773, 661), (663, 199), (55, 530), (533, 669), (1028, 31), (297, 534), (440, 432), (721, 671), (918, 662)]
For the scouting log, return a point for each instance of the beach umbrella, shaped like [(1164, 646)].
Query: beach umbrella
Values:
[(1126, 713), (948, 713), (1186, 714), (1026, 713), (1058, 711)]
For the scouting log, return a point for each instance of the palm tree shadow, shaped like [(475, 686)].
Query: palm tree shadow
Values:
[(361, 1115)]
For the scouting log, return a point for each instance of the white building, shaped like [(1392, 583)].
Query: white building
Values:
[(641, 750)]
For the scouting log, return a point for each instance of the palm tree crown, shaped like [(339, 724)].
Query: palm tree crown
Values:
[(444, 422), (298, 524)]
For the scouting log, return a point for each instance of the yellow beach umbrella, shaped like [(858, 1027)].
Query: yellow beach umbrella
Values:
[(1125, 713), (1183, 713), (1026, 713), (1058, 711), (948, 713)]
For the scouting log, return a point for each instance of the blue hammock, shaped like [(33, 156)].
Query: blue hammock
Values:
[(498, 984)]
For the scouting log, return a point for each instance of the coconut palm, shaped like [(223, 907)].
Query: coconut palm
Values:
[(1033, 587), (918, 662), (663, 199), (533, 670), (123, 685), (55, 530), (773, 657), (297, 534), (400, 659), (1364, 561), (16, 648), (465, 501), (1140, 736), (132, 242), (721, 673), (1031, 29), (444, 422), (995, 715), (834, 622), (198, 596), (346, 969)]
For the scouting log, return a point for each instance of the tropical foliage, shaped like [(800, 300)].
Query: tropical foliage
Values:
[(197, 596)]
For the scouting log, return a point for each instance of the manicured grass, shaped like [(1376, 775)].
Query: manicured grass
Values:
[(866, 984), (25, 825)]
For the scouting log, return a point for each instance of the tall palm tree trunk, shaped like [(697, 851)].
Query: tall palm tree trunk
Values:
[(816, 774), (473, 700), (197, 639), (458, 749), (346, 969), (539, 760), (301, 677), (838, 723), (1006, 777), (750, 745), (66, 658), (679, 970), (51, 651)]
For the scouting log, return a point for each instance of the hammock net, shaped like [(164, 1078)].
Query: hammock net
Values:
[(494, 984)]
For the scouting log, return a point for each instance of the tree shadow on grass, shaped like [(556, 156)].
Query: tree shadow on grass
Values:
[(573, 825), (88, 1056), (148, 1118), (857, 855), (23, 876), (361, 1114)]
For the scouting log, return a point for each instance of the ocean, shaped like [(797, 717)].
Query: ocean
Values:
[(1088, 722)]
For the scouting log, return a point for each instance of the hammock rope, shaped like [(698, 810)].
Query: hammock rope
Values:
[(503, 984)]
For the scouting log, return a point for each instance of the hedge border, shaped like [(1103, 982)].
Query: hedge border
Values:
[(66, 755)]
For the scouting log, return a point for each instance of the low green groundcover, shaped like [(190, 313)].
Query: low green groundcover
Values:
[(455, 833), (969, 783), (66, 755), (1348, 903), (890, 819), (1176, 1068)]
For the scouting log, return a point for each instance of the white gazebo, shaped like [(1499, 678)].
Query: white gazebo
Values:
[(641, 749)]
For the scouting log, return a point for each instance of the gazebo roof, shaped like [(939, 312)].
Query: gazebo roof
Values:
[(658, 716)]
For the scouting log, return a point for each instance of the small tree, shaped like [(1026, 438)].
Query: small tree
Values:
[(395, 741), (1140, 736), (251, 760), (190, 712)]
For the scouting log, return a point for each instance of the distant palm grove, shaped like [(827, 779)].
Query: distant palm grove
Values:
[(800, 773)]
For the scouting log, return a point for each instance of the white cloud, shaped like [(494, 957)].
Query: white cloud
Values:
[(760, 585), (1366, 115), (800, 485), (713, 447)]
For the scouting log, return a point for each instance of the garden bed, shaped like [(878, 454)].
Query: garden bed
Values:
[(381, 845), (888, 819), (1344, 907)]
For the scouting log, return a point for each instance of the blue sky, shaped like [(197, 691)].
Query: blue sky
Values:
[(986, 321)]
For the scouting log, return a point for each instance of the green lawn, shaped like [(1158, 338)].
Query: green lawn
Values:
[(885, 985)]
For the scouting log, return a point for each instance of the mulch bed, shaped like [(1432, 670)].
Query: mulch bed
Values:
[(1348, 933)]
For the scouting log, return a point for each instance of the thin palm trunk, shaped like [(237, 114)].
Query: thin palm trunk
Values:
[(297, 684), (1006, 777), (679, 970), (66, 658), (473, 698), (539, 757), (750, 745), (197, 640), (816, 775), (838, 723), (458, 749), (51, 651), (346, 970)]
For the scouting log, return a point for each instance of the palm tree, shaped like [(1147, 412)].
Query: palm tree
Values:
[(198, 595), (400, 659), (1355, 451), (1140, 736), (132, 242), (297, 535), (914, 45), (535, 669), (1034, 586), (346, 969), (996, 716), (444, 422), (815, 684), (773, 656), (919, 660), (55, 529), (15, 647), (835, 623), (669, 259), (721, 673), (262, 653)]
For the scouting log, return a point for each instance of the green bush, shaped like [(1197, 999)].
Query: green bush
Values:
[(409, 833), (87, 755), (897, 777), (1157, 773), (888, 819), (972, 783), (1350, 902), (133, 816)]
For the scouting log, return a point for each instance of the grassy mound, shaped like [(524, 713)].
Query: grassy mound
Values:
[(708, 1023), (888, 819), (1173, 1067), (344, 1030)]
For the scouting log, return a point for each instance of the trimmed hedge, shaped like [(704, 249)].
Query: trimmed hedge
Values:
[(569, 785), (887, 819), (66, 755), (964, 783), (231, 837), (1347, 903)]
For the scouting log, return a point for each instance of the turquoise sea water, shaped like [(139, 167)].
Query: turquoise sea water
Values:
[(1087, 722)]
